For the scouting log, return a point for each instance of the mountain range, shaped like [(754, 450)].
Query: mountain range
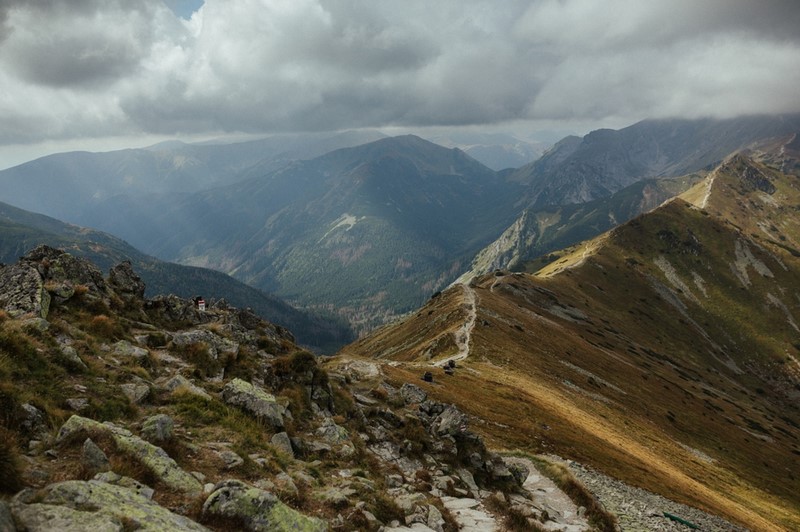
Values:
[(369, 231)]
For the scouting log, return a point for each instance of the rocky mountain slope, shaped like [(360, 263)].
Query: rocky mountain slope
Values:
[(125, 413), (663, 353), (22, 230), (577, 170), (538, 232), (585, 186)]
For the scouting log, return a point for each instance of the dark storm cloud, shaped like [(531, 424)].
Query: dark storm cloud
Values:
[(86, 67)]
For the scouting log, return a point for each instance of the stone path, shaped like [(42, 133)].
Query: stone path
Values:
[(562, 511), (470, 514)]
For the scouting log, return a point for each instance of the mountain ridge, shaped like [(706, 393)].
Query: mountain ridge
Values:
[(641, 352)]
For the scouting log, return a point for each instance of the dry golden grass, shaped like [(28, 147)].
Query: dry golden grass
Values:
[(597, 365)]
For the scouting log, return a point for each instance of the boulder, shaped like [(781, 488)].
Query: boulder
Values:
[(257, 510), (255, 402), (182, 384), (126, 283), (412, 394), (22, 291), (97, 506), (33, 422), (109, 477), (230, 458), (136, 392), (152, 457), (450, 422), (93, 458), (70, 359), (282, 442), (158, 428), (332, 433), (124, 348)]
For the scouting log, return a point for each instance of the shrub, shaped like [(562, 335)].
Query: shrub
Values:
[(10, 476), (105, 327)]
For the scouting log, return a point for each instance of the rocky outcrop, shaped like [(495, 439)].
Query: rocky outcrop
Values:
[(22, 291), (256, 402), (257, 510), (152, 457), (93, 505), (126, 283)]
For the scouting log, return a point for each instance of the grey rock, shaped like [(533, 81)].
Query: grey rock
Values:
[(255, 402), (93, 458), (435, 520), (412, 394), (126, 283), (135, 392), (332, 433), (231, 459), (158, 428), (282, 442), (124, 348), (78, 404), (97, 506), (70, 358), (109, 477), (257, 510), (519, 471), (450, 422), (285, 485), (152, 457), (33, 423), (6, 521), (22, 291), (181, 383)]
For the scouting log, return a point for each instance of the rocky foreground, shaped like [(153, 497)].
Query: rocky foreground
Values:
[(120, 413)]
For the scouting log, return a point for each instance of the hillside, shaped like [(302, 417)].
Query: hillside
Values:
[(126, 413), (540, 231), (369, 231), (21, 231), (663, 353)]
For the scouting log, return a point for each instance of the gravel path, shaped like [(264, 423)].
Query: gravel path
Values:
[(638, 509)]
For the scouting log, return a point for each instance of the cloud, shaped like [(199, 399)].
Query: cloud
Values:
[(94, 67)]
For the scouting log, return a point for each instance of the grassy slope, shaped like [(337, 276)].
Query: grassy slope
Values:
[(605, 358)]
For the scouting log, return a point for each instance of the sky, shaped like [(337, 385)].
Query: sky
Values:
[(103, 74)]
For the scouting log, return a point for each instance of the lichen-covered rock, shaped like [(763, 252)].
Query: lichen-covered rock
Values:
[(136, 392), (257, 510), (93, 458), (179, 383), (450, 422), (519, 471), (97, 506), (126, 283), (174, 309), (33, 421), (109, 477), (282, 442), (70, 359), (152, 457), (255, 402), (412, 394), (333, 433), (158, 428), (22, 291), (124, 348), (217, 345)]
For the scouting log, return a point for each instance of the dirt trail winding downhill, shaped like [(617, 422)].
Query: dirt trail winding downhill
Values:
[(463, 336)]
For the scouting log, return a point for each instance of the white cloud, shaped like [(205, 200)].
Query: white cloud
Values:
[(95, 68)]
